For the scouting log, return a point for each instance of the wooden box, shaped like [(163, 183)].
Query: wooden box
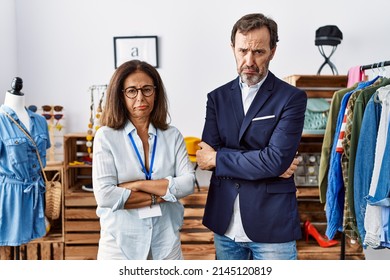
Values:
[(197, 240), (81, 224), (50, 247)]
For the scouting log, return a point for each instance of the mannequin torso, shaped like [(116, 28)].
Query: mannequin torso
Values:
[(16, 103)]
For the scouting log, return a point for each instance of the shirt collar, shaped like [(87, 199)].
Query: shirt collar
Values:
[(255, 87), (129, 128)]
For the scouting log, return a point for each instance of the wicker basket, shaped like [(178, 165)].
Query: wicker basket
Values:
[(53, 197)]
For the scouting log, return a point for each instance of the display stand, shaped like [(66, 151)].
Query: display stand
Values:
[(327, 60)]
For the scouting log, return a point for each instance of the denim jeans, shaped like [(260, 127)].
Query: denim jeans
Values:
[(228, 249)]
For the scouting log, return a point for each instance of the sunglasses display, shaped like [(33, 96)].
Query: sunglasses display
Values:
[(50, 113), (53, 112), (54, 116)]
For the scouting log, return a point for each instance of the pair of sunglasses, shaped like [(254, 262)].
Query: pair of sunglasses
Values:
[(55, 116), (48, 108)]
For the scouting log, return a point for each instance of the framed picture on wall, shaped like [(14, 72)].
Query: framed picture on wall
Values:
[(136, 47)]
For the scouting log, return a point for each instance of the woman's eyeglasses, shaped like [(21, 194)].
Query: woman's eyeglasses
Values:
[(132, 92)]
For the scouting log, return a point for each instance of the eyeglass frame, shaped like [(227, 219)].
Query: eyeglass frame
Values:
[(141, 89)]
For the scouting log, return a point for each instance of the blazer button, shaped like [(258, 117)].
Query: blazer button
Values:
[(237, 185)]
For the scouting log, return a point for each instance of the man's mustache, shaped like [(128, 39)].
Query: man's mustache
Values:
[(252, 68)]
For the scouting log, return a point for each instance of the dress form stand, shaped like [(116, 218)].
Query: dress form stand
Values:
[(327, 60), (14, 99)]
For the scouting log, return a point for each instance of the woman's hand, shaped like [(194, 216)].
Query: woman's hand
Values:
[(290, 171)]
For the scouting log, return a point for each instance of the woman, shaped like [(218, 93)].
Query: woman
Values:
[(140, 169)]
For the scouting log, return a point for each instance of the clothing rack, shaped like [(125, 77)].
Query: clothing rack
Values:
[(375, 65), (363, 67)]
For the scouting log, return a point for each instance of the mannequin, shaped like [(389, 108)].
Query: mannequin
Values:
[(22, 187), (15, 100)]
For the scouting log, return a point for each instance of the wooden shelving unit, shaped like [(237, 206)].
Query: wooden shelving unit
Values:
[(81, 225)]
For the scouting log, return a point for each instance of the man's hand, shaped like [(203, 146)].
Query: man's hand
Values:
[(206, 156), (290, 171)]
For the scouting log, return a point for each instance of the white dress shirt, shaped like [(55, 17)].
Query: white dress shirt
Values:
[(235, 230)]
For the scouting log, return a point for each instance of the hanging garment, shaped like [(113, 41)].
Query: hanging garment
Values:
[(349, 223), (21, 184), (378, 195), (328, 141), (355, 75), (364, 162)]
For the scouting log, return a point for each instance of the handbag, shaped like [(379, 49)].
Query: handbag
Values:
[(53, 197), (316, 116), (53, 187)]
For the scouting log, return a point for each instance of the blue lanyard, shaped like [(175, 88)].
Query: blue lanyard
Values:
[(148, 175)]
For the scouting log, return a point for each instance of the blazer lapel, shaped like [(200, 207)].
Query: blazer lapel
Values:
[(261, 97), (236, 102)]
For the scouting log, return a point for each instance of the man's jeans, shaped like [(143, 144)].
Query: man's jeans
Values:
[(228, 249)]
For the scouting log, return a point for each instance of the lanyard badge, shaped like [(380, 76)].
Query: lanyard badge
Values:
[(148, 175)]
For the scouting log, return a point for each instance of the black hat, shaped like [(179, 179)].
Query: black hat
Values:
[(328, 35)]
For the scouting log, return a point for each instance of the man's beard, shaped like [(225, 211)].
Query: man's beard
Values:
[(250, 79)]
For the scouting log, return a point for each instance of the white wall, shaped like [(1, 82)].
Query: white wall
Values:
[(63, 47), (8, 59)]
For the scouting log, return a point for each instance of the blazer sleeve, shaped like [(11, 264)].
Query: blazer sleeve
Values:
[(272, 160)]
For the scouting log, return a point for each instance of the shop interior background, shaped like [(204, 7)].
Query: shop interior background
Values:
[(60, 48)]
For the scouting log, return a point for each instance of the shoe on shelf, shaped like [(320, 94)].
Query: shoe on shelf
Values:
[(87, 188), (321, 240)]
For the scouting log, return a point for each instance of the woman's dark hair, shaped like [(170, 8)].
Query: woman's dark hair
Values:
[(115, 114), (253, 21)]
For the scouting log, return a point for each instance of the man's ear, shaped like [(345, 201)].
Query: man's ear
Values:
[(273, 51)]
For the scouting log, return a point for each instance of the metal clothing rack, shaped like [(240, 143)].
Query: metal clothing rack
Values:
[(375, 65)]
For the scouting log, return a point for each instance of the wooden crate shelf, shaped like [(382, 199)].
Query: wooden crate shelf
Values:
[(81, 224), (46, 248), (197, 240)]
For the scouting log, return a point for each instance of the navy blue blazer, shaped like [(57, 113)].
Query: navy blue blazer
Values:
[(253, 150)]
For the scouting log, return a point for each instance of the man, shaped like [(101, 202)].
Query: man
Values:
[(251, 134)]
